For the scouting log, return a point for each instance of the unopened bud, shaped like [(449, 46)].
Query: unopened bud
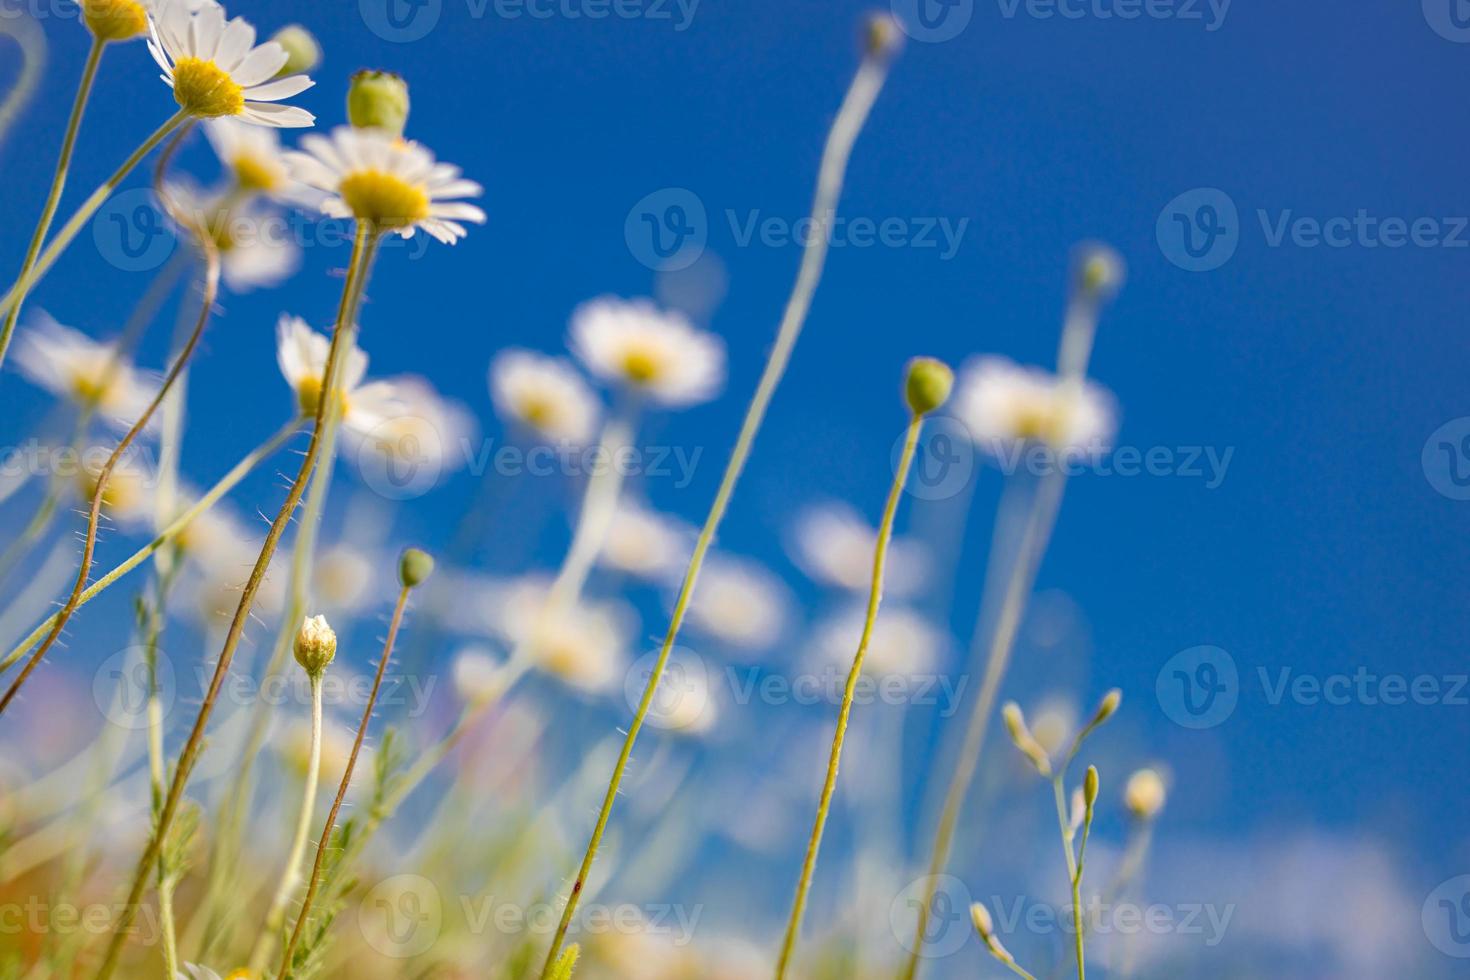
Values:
[(378, 100), (315, 646), (415, 567), (927, 384), (984, 924), (1089, 787), (1015, 723), (303, 53), (115, 20)]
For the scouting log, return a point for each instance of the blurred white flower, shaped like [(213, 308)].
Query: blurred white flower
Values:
[(582, 646), (129, 495), (388, 182), (254, 158), (343, 577), (635, 344), (215, 539), (903, 643), (1005, 405), (252, 254), (739, 602), (1053, 722), (544, 394), (72, 365), (293, 740), (645, 543), (834, 545), (478, 675)]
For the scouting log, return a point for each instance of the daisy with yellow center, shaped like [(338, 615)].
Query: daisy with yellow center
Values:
[(545, 395), (252, 157), (739, 603), (1005, 405), (301, 354), (387, 183), (253, 254), (91, 374), (216, 69), (645, 349)]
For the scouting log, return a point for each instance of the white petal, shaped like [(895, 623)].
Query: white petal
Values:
[(282, 88), (275, 114), (260, 65)]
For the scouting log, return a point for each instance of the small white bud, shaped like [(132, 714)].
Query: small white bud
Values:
[(1145, 794), (315, 646)]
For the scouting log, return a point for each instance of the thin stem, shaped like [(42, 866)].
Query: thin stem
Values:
[(194, 745), (89, 544), (858, 102), (33, 50), (291, 877), (1074, 863), (227, 483), (58, 182), (74, 224), (875, 596), (321, 848)]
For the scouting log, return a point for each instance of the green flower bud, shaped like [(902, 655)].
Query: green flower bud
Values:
[(414, 567), (315, 646), (928, 384), (378, 100), (303, 53), (1089, 786)]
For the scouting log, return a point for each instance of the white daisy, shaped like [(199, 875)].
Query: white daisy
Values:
[(635, 344), (834, 545), (216, 539), (253, 157), (903, 642), (1005, 405), (216, 69), (343, 578), (70, 364), (645, 543), (128, 498), (582, 646), (478, 676), (301, 354), (739, 602), (387, 182), (252, 254), (544, 394)]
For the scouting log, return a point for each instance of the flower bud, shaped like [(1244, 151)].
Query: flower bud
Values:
[(1089, 787), (1107, 707), (984, 924), (303, 53), (316, 645), (1100, 270), (927, 384), (1016, 726), (1145, 794), (378, 100), (414, 567), (881, 36)]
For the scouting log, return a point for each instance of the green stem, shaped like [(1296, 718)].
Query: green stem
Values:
[(866, 85), (58, 182), (829, 786)]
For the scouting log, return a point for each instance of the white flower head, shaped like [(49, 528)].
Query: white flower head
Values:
[(215, 539), (216, 69), (92, 374), (129, 495), (301, 354), (478, 677), (834, 545), (252, 254), (253, 158), (1005, 405), (123, 20), (645, 543), (739, 602), (544, 394), (582, 646), (343, 578), (391, 183), (635, 344), (903, 643)]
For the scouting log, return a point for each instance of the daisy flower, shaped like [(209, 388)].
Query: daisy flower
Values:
[(253, 158), (581, 646), (128, 497), (644, 543), (903, 643), (343, 578), (386, 182), (634, 344), (216, 539), (122, 20), (250, 255), (543, 394), (834, 546), (478, 676), (1005, 405), (70, 364), (740, 603), (301, 354), (216, 69)]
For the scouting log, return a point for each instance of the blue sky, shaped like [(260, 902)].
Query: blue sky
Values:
[(1333, 543)]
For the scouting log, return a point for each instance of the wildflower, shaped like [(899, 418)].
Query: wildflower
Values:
[(91, 374), (216, 69), (343, 578), (644, 543), (388, 183), (634, 344), (903, 642), (1006, 406), (927, 384), (1145, 794), (414, 567), (253, 157), (411, 430), (739, 602), (301, 354), (544, 394), (477, 676), (315, 645), (128, 497), (834, 545), (582, 646), (249, 257), (1053, 723), (215, 539)]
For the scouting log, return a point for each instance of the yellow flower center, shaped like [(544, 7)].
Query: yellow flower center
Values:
[(642, 366), (115, 20), (383, 199), (309, 394), (1038, 421), (255, 174), (89, 389), (205, 90), (539, 413)]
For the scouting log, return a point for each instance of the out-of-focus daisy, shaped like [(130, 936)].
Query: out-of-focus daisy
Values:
[(252, 254), (1053, 723), (544, 394), (1145, 794), (253, 157), (214, 596), (74, 366), (1005, 405), (128, 497), (216, 69), (387, 182), (582, 646), (645, 543), (740, 603), (478, 676), (294, 741), (343, 577), (834, 545), (301, 354), (215, 539), (903, 643), (637, 345)]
